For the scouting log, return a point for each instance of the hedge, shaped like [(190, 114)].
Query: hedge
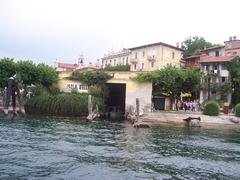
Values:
[(237, 110), (64, 104), (118, 68), (211, 108)]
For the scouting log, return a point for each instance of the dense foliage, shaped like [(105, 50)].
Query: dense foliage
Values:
[(237, 110), (144, 77), (224, 89), (118, 68), (194, 45), (171, 81), (234, 69), (7, 67), (27, 73), (91, 78), (211, 108), (64, 104)]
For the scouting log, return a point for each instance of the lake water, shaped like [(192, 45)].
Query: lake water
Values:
[(63, 148)]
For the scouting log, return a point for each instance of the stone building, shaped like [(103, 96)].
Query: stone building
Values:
[(116, 58), (147, 57)]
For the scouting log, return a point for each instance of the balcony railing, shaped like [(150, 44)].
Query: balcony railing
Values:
[(134, 60), (151, 58), (215, 72)]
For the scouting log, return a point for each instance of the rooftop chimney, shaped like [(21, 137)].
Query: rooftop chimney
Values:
[(234, 37), (177, 44), (182, 46), (230, 38)]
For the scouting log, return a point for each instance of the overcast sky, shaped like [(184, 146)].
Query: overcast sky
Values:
[(46, 30)]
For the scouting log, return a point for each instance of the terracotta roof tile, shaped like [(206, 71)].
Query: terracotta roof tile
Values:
[(156, 44), (205, 59), (214, 47), (192, 57), (66, 65)]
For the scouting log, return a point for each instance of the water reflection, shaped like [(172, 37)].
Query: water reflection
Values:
[(67, 148)]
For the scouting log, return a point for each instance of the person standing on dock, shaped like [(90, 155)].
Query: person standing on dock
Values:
[(12, 90)]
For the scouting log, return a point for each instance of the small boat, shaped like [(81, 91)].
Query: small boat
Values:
[(115, 113), (234, 120)]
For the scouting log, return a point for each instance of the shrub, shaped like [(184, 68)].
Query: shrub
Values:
[(54, 90), (237, 110), (118, 68), (64, 104), (40, 90), (211, 108), (91, 78)]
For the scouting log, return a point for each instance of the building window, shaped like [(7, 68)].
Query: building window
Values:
[(111, 62), (114, 62), (223, 67), (152, 64), (173, 55), (215, 67), (142, 66), (206, 67), (143, 54), (126, 60), (217, 53), (135, 66), (234, 53), (224, 79), (135, 55)]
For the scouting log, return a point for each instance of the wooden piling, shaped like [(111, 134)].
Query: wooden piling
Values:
[(137, 108)]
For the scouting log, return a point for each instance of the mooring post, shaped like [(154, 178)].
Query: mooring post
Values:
[(90, 105), (4, 96), (137, 108)]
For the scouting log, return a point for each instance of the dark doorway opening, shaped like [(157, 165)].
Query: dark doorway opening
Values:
[(159, 103), (117, 96)]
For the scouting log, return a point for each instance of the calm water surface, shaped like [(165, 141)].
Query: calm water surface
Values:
[(62, 148)]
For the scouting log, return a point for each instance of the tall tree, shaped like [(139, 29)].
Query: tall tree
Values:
[(172, 81), (7, 67), (234, 69), (27, 73), (193, 45)]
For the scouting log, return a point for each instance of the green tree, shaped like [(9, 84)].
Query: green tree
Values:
[(193, 45), (118, 68), (91, 78), (27, 73), (191, 81), (7, 67), (208, 76), (171, 81), (96, 80), (46, 75), (234, 70)]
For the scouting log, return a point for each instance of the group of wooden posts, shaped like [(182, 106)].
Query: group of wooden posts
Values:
[(18, 102), (134, 117)]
